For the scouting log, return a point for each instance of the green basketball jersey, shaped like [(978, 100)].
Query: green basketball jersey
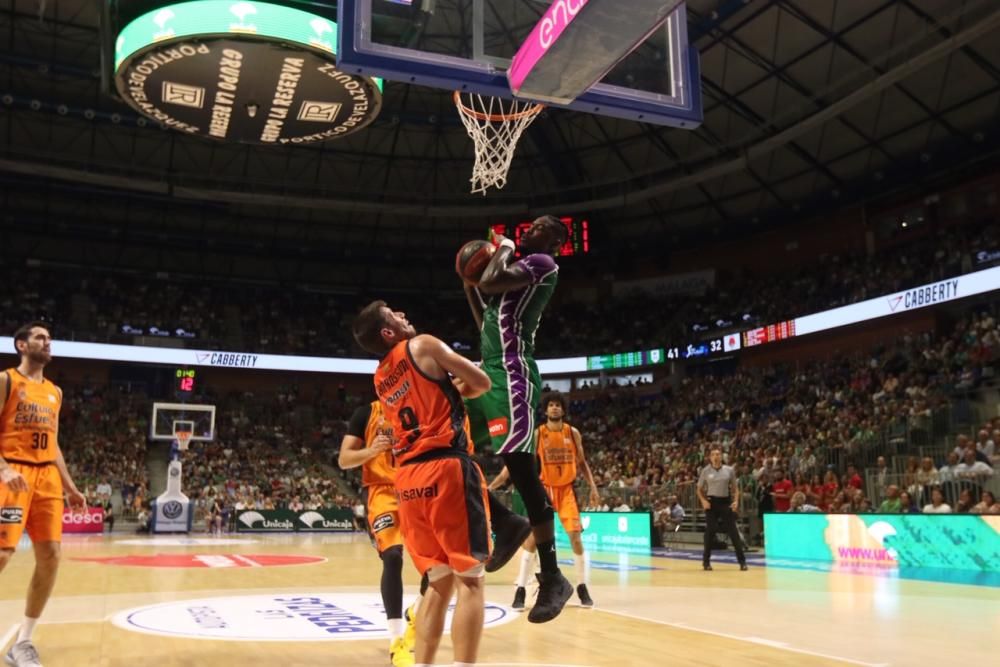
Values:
[(511, 318)]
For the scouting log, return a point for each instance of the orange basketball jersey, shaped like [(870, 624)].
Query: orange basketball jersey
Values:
[(382, 468), (557, 452), (426, 414), (29, 423)]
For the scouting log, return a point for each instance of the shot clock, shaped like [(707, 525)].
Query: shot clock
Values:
[(185, 378)]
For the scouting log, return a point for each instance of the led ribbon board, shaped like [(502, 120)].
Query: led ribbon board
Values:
[(251, 72)]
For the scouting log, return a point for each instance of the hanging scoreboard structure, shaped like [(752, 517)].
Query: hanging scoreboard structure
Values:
[(248, 72)]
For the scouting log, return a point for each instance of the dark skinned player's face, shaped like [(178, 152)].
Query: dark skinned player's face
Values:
[(554, 411), (542, 236)]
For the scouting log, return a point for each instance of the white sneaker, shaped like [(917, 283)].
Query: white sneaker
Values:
[(22, 654)]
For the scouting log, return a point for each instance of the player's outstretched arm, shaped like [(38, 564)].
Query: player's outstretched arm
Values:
[(436, 359), (501, 274)]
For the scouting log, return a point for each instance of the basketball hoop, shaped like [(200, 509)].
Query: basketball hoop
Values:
[(495, 126), (183, 440)]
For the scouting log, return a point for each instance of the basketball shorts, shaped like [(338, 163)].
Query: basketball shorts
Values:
[(564, 502), (38, 510), (383, 516), (444, 513), (504, 417)]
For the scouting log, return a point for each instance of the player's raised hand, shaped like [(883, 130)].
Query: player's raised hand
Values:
[(14, 480)]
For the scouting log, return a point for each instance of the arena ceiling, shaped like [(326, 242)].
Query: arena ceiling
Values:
[(808, 103)]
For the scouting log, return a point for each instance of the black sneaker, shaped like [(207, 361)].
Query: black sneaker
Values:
[(707, 568), (519, 596), (743, 567), (584, 594), (553, 592), (510, 536)]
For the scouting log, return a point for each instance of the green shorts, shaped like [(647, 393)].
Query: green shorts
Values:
[(504, 417)]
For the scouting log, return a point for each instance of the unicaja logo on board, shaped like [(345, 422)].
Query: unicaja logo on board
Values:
[(556, 19)]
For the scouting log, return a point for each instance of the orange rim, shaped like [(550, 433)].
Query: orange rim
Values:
[(495, 117)]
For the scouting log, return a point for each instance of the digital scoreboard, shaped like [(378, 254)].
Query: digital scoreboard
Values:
[(577, 237)]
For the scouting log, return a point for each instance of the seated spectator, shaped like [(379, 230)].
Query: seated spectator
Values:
[(907, 505), (949, 471), (881, 476), (619, 505), (971, 469), (937, 505), (892, 503), (985, 444), (966, 501), (987, 504), (799, 504), (928, 474), (852, 478)]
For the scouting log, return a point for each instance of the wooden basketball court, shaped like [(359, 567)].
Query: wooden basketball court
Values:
[(650, 610)]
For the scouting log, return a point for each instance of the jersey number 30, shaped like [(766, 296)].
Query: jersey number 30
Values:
[(39, 440)]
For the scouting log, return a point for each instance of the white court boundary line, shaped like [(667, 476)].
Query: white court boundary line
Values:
[(752, 640)]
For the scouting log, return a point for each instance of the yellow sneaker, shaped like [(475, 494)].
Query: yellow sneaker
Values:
[(410, 636), (399, 654)]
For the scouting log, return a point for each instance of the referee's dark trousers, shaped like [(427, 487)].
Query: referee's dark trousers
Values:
[(720, 517)]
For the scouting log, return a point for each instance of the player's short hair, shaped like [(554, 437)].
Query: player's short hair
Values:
[(555, 397), (24, 332), (556, 223), (367, 328)]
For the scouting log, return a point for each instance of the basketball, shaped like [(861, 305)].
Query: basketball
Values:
[(472, 259)]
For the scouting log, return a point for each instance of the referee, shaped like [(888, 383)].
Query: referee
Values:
[(720, 497)]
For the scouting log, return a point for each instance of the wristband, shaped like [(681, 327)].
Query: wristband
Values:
[(507, 243)]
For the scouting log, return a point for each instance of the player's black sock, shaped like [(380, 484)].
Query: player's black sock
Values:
[(392, 582), (499, 513), (547, 556)]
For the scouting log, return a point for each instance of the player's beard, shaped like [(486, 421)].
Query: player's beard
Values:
[(39, 357)]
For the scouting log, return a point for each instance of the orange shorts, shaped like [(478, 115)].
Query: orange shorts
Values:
[(445, 514), (564, 502), (383, 516), (39, 510)]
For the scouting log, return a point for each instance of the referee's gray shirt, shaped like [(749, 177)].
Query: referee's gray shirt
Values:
[(716, 483)]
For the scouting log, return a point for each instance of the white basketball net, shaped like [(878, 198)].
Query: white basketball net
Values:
[(495, 126), (183, 440)]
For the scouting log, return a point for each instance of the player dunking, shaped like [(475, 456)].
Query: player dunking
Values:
[(443, 509), (369, 427), (504, 417), (560, 451), (34, 475)]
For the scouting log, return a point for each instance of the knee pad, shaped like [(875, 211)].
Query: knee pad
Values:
[(392, 557)]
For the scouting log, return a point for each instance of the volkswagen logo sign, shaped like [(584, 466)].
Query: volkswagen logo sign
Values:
[(173, 509)]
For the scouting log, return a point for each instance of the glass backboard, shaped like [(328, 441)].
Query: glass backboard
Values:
[(468, 45)]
